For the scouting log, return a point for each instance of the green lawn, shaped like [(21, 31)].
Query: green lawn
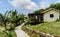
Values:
[(52, 28)]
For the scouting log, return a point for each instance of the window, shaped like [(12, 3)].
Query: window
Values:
[(51, 15), (36, 17)]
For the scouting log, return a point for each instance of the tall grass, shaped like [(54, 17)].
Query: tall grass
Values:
[(52, 28)]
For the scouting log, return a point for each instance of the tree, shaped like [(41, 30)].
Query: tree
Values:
[(53, 5), (11, 16), (4, 19), (38, 11), (21, 17), (57, 6), (15, 18)]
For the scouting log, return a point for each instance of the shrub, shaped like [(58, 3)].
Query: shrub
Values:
[(10, 26)]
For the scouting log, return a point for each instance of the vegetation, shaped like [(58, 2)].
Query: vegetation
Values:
[(3, 19), (30, 33), (11, 17), (16, 18), (52, 28), (7, 34), (8, 22), (38, 11), (56, 6)]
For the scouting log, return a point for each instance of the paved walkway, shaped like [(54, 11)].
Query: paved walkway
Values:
[(20, 32)]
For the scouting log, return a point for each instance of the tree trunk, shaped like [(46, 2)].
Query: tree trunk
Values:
[(5, 25)]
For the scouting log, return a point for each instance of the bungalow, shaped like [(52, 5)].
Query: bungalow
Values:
[(48, 15)]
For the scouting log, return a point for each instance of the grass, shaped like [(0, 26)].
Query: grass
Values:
[(7, 33), (31, 34), (52, 28)]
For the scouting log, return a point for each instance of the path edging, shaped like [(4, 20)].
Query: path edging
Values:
[(40, 33)]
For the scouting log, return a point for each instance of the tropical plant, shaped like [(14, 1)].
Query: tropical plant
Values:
[(11, 16), (4, 19), (15, 18)]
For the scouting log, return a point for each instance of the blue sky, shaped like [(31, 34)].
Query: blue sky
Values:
[(25, 6)]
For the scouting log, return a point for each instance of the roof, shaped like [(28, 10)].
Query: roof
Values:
[(49, 9), (45, 11), (35, 14)]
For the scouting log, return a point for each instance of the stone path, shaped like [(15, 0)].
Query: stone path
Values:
[(20, 32)]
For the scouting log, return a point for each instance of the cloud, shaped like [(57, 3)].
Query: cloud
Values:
[(30, 5), (24, 4)]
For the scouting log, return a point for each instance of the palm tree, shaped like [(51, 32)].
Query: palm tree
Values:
[(15, 17), (11, 16), (4, 19)]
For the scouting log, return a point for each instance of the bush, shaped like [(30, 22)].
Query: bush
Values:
[(10, 26)]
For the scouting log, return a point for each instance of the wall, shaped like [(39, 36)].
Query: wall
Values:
[(47, 18)]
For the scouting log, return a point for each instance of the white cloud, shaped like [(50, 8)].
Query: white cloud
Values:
[(29, 5), (24, 4)]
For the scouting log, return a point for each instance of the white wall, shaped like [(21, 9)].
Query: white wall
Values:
[(47, 16)]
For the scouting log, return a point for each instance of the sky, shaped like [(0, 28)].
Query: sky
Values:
[(25, 6)]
